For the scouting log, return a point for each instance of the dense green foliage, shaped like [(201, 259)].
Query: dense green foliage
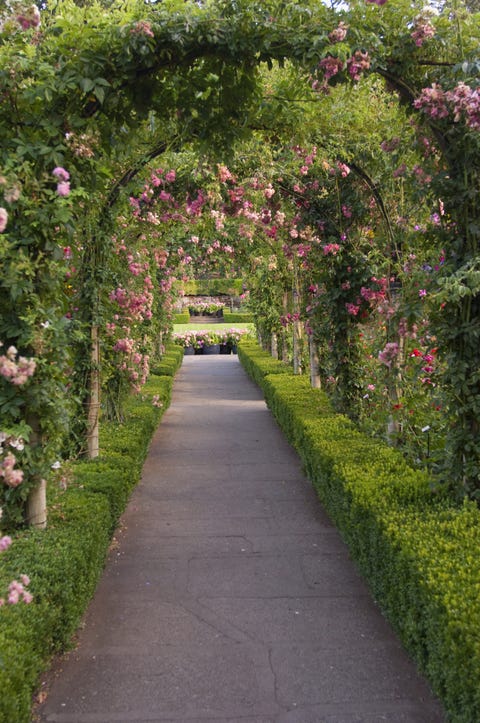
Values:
[(237, 317), (65, 561), (416, 549), (211, 287), (181, 317)]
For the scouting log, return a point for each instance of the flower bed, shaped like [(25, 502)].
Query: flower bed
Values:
[(208, 307), (202, 338), (417, 550)]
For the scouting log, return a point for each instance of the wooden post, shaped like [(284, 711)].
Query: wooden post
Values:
[(315, 380), (36, 507), (297, 334), (94, 396), (274, 346), (36, 503)]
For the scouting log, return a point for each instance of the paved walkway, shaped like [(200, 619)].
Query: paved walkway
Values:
[(230, 596)]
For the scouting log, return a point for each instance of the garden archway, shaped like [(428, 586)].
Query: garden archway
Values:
[(73, 90)]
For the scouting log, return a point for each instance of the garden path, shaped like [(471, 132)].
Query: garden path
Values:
[(228, 595)]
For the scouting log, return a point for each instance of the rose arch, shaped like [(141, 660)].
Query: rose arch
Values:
[(92, 95)]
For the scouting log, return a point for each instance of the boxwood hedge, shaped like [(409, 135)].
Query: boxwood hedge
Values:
[(64, 561), (416, 548)]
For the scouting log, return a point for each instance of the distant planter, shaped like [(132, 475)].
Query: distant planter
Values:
[(211, 349), (189, 351)]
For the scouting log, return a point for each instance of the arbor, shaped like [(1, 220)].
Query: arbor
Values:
[(93, 94)]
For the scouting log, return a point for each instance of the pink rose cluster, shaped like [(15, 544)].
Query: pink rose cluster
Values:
[(29, 18), (17, 371), (463, 101), (63, 182), (142, 27), (388, 355), (3, 219), (12, 477), (422, 31), (17, 591)]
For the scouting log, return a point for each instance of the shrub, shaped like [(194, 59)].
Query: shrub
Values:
[(237, 317), (181, 317), (258, 363), (170, 361), (417, 549), (65, 560)]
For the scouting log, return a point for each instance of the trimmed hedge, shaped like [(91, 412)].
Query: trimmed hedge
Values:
[(417, 549), (237, 317), (181, 317), (258, 363), (65, 561), (210, 287), (170, 362)]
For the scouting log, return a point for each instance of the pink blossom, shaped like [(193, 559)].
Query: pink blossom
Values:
[(357, 64), (12, 477), (63, 188), (339, 33), (391, 145), (389, 354), (17, 592), (432, 101), (400, 171), (16, 371), (61, 174), (3, 219), (224, 174), (331, 66), (170, 176), (467, 101), (5, 543), (29, 18), (331, 249), (352, 309), (124, 345), (142, 27), (423, 31)]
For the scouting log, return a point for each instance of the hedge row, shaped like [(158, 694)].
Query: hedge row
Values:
[(237, 317), (65, 561), (170, 362), (417, 549), (181, 317), (210, 287)]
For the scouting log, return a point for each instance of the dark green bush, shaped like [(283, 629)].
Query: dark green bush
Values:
[(65, 560), (210, 287), (417, 550), (170, 361), (237, 317), (258, 363)]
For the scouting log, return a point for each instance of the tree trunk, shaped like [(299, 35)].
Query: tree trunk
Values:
[(36, 508), (94, 397)]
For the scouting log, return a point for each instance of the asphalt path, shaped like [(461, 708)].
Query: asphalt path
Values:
[(228, 595)]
